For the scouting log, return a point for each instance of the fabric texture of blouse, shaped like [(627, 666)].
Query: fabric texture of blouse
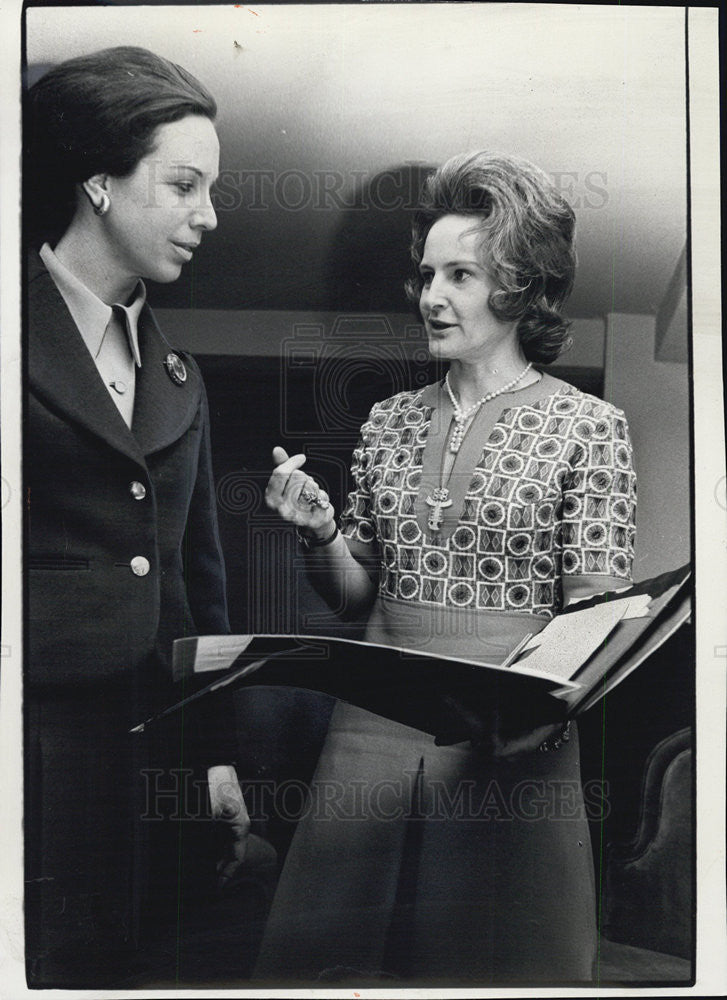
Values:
[(543, 487)]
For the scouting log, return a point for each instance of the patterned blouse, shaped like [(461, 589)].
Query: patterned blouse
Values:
[(551, 493)]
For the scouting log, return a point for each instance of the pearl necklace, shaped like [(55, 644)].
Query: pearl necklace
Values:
[(462, 416)]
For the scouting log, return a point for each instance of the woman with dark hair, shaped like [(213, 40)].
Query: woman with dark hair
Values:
[(481, 506), (122, 547)]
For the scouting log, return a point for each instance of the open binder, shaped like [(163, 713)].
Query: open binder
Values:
[(579, 657)]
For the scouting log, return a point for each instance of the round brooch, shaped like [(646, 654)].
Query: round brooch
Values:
[(175, 369)]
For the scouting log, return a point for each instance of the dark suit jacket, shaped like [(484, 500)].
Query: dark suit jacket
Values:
[(98, 639), (89, 616)]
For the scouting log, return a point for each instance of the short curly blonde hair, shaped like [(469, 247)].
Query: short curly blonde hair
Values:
[(527, 231)]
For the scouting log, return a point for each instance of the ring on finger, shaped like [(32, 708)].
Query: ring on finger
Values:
[(314, 498)]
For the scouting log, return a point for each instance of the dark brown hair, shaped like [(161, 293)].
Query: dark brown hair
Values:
[(527, 231), (94, 114)]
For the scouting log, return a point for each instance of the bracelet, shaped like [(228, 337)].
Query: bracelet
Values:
[(309, 542)]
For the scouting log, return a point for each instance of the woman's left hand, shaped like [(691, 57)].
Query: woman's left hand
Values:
[(544, 737), (490, 736), (228, 808)]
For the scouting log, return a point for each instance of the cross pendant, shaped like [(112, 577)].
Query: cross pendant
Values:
[(437, 501)]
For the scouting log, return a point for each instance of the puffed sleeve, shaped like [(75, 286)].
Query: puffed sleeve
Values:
[(357, 519), (599, 497)]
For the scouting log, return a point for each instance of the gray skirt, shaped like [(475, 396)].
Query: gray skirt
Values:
[(434, 865)]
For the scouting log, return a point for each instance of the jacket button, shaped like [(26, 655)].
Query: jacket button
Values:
[(140, 565), (137, 490)]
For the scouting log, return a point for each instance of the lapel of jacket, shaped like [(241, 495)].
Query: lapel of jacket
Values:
[(62, 371), (163, 410)]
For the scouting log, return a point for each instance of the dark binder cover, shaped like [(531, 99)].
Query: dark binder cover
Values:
[(411, 688), (426, 692), (633, 640)]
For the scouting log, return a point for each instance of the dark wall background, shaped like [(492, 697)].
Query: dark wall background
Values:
[(349, 252)]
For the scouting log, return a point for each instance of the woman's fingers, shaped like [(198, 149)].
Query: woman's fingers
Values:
[(526, 742), (298, 483), (307, 493), (306, 496), (284, 468), (286, 465), (485, 730), (293, 494)]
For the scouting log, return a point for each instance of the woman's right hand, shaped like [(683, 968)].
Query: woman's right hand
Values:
[(283, 495)]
